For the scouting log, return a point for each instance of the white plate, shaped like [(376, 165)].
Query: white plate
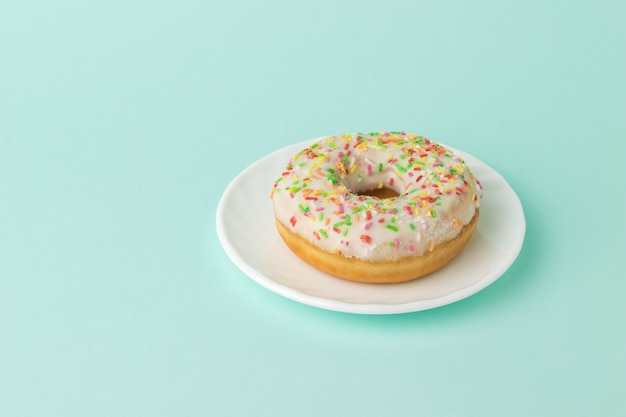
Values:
[(245, 227)]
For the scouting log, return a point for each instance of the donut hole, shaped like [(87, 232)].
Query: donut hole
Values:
[(380, 193)]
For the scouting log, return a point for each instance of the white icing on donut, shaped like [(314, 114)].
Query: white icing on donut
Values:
[(322, 195)]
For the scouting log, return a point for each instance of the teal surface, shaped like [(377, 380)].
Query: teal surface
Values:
[(121, 123)]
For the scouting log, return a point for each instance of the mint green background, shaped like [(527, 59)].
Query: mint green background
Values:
[(116, 298)]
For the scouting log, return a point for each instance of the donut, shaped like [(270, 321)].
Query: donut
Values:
[(381, 207)]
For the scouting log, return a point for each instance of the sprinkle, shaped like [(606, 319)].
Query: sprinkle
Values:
[(323, 233), (400, 168), (366, 239), (411, 248), (317, 235), (392, 227), (293, 221), (396, 244), (368, 225), (380, 167)]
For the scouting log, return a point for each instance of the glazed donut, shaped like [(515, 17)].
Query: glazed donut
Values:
[(381, 207)]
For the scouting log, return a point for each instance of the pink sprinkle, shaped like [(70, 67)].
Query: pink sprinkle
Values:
[(319, 209), (340, 208), (368, 225), (396, 244), (411, 248), (369, 169)]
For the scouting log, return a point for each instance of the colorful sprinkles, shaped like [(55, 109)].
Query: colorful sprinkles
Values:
[(333, 183)]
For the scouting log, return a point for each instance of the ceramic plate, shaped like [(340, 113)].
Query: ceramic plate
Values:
[(246, 230)]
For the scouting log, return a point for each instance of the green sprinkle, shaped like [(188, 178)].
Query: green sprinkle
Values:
[(303, 209), (323, 233), (401, 168), (391, 227), (412, 226), (433, 213), (380, 167)]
